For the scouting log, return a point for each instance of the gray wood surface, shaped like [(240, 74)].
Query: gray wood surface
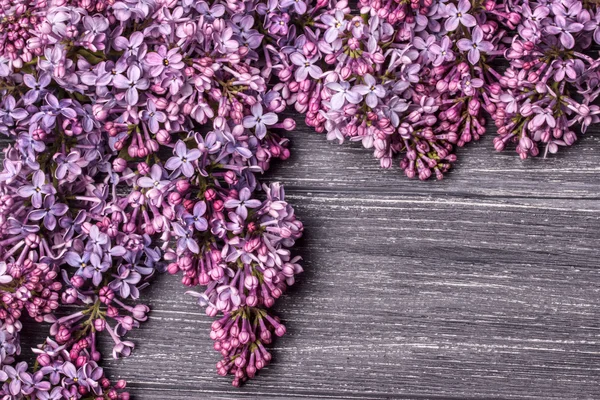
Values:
[(485, 285)]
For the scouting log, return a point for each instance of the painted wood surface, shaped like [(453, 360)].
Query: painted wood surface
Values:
[(485, 285)]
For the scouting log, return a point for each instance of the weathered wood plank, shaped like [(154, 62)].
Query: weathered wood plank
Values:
[(485, 285)]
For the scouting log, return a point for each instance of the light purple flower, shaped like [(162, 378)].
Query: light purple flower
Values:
[(336, 23), (153, 116), (39, 188), (459, 15), (196, 217), (185, 240), (132, 83), (475, 45), (306, 66), (371, 90), (342, 94), (183, 159), (49, 211), (241, 206), (162, 60), (564, 29), (443, 52), (259, 121)]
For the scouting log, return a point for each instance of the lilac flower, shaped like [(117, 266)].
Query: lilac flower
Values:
[(9, 113), (336, 24), (279, 23), (153, 116), (475, 45), (77, 260), (95, 269), (126, 283), (35, 191), (564, 29), (459, 15), (343, 93), (49, 211), (155, 180), (183, 159), (197, 217), (544, 116), (371, 90), (443, 51), (131, 45), (259, 121), (132, 83), (185, 241), (71, 163), (162, 60), (241, 206), (37, 87), (306, 67)]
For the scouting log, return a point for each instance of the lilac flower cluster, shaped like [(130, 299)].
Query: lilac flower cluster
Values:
[(418, 77), (550, 90), (139, 129)]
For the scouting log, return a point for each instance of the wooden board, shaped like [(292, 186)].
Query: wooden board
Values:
[(485, 285)]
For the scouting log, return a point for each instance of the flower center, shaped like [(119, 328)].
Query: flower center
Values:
[(166, 62)]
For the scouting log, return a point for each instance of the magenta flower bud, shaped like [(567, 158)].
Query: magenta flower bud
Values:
[(119, 165), (99, 324), (489, 5), (569, 138), (285, 74), (112, 312), (32, 240), (77, 281), (44, 359), (163, 137), (210, 194), (182, 185), (151, 146), (289, 124), (175, 198), (143, 168), (139, 312)]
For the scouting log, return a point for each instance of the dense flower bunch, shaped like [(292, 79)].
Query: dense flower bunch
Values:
[(418, 78), (550, 91), (138, 129)]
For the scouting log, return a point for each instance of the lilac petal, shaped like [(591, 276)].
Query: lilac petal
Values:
[(337, 100), (371, 100), (193, 246), (451, 24), (193, 155), (464, 44), (180, 149), (261, 130), (173, 163), (187, 169), (468, 20), (50, 221), (269, 118), (59, 209), (473, 56), (244, 152), (131, 96), (36, 215), (253, 203)]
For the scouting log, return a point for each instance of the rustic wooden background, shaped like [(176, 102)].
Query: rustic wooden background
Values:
[(484, 285)]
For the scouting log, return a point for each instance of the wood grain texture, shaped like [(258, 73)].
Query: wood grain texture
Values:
[(483, 286)]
